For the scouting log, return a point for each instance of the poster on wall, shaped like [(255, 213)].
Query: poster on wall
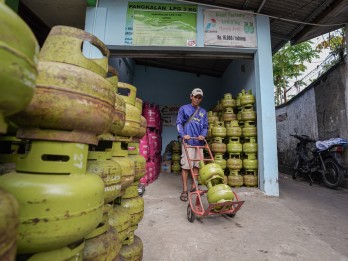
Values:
[(229, 28), (159, 24), (169, 114)]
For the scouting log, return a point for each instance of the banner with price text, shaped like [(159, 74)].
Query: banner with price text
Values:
[(229, 28), (159, 24)]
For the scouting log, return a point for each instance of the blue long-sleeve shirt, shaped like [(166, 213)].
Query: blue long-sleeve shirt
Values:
[(198, 125)]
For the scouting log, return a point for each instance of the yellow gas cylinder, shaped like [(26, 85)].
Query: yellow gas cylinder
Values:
[(100, 163), (132, 252), (233, 129), (218, 146), (219, 129), (132, 125), (247, 98), (120, 219), (119, 153), (50, 185), (9, 221), (18, 64), (228, 114), (139, 160), (228, 101)]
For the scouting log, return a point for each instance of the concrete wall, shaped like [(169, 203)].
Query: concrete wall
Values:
[(319, 111)]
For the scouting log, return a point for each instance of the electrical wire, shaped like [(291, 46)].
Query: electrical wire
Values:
[(270, 16)]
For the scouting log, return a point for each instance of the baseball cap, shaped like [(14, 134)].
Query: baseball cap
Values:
[(197, 91)]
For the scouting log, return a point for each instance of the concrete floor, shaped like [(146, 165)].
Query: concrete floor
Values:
[(304, 223)]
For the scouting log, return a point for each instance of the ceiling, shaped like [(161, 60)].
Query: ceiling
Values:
[(290, 20)]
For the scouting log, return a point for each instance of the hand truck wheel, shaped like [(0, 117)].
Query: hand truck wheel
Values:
[(190, 214)]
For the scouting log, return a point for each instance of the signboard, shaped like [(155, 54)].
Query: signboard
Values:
[(160, 24), (169, 114), (229, 28)]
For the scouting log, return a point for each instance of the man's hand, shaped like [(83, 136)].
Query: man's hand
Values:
[(187, 137), (200, 137)]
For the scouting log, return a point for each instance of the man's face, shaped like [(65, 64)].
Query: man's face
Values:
[(196, 100)]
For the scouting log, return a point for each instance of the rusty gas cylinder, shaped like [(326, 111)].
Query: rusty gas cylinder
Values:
[(139, 160), (100, 163), (120, 219), (120, 155), (218, 146), (104, 246), (63, 44), (132, 125), (63, 93), (228, 114), (132, 252)]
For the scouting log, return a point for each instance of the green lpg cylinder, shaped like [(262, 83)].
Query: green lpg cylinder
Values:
[(176, 167), (210, 172), (134, 203), (72, 252), (143, 122), (176, 147), (219, 159), (228, 101), (63, 93), (238, 99), (249, 129), (247, 98), (120, 155), (250, 180), (18, 64), (229, 115), (250, 146), (235, 180), (233, 129), (139, 160), (56, 209), (219, 130), (250, 162), (248, 113), (120, 219), (103, 246), (234, 146), (212, 117), (63, 45), (132, 125), (9, 220), (132, 252), (176, 156), (234, 162), (218, 146), (220, 193), (119, 116), (100, 163)]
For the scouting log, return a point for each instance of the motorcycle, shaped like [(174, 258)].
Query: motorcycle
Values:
[(323, 163)]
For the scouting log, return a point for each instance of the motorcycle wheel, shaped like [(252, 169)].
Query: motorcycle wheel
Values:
[(334, 175)]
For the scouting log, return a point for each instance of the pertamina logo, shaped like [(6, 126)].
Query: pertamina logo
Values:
[(210, 25)]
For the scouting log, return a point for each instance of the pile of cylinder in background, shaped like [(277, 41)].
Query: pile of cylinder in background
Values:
[(176, 156), (75, 151), (151, 142), (232, 138)]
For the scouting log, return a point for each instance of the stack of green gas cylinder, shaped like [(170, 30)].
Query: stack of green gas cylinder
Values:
[(232, 137), (176, 156), (76, 147)]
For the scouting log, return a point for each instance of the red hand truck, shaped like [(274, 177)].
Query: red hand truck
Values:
[(195, 207)]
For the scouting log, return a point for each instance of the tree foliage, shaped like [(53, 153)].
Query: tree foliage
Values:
[(288, 63)]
